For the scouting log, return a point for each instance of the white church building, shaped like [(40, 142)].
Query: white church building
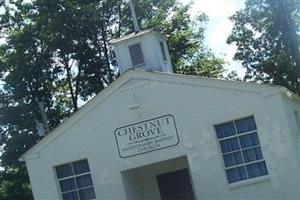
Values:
[(155, 135)]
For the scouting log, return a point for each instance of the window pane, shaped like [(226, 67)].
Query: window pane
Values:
[(229, 145), (233, 159), (84, 181), (249, 140), (236, 174), (86, 194), (257, 169), (246, 124), (64, 171), (81, 166), (252, 154), (70, 196), (225, 130), (67, 185)]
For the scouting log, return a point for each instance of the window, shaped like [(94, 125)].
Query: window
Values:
[(136, 54), (163, 52), (241, 150), (75, 181), (297, 118)]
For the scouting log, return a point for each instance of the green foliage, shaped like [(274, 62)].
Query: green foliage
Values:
[(185, 38), (57, 52), (15, 184), (268, 39)]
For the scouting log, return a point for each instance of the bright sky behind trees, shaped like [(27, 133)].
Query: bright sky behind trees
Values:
[(219, 27)]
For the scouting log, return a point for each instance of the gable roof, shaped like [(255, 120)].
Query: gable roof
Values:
[(135, 35), (266, 90)]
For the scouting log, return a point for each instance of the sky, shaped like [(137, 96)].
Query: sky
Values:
[(219, 27)]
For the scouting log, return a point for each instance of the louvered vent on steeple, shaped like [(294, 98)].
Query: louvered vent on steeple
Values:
[(163, 51), (136, 55)]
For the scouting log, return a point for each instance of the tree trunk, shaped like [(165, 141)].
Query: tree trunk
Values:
[(69, 80)]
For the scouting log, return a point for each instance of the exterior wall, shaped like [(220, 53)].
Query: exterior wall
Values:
[(196, 110)]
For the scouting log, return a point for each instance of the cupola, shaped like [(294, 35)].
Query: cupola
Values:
[(147, 50)]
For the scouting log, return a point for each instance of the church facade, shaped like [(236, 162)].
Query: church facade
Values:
[(153, 135)]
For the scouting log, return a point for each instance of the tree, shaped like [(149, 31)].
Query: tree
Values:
[(268, 39), (57, 53), (29, 78)]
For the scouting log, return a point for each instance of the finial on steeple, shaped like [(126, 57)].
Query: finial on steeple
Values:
[(134, 18)]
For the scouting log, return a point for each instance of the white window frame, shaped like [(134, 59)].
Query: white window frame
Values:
[(248, 180), (74, 176)]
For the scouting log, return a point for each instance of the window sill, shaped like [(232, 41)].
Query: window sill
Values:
[(248, 182)]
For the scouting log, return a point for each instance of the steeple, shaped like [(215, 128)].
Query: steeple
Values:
[(147, 50)]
